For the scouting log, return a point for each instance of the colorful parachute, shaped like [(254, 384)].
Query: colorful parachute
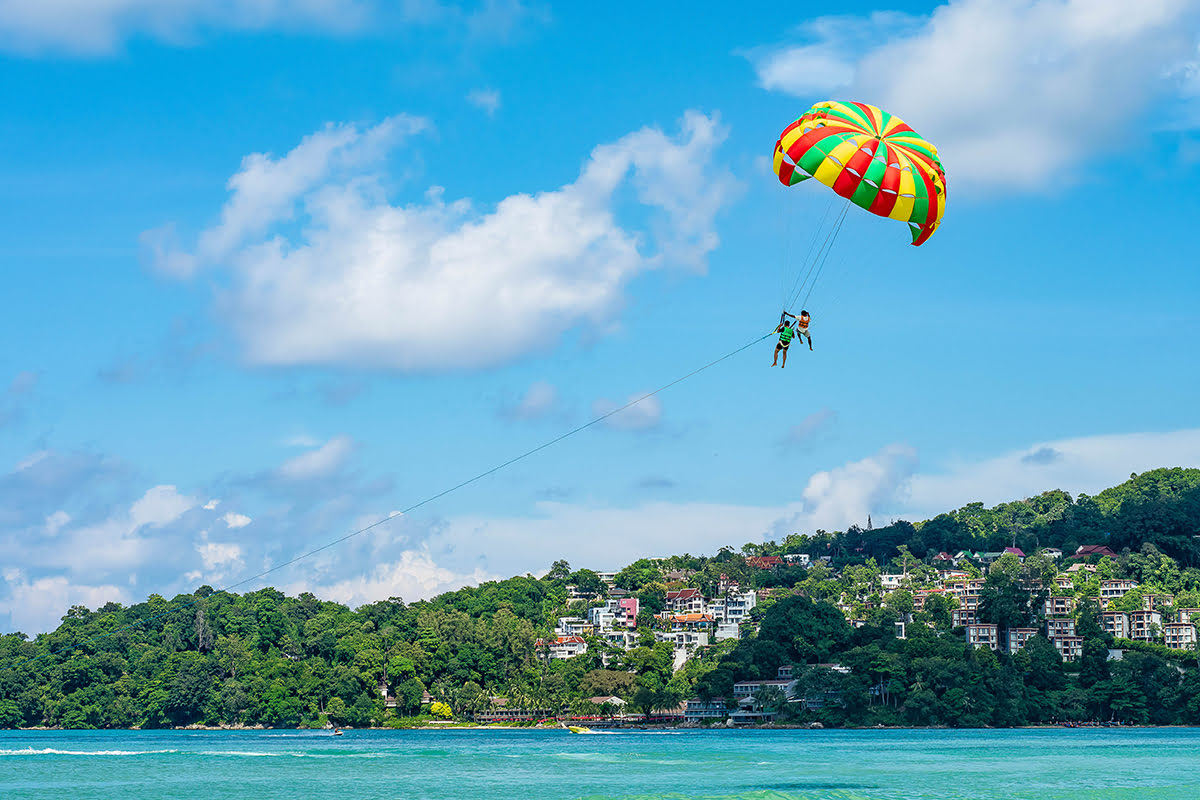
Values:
[(869, 157)]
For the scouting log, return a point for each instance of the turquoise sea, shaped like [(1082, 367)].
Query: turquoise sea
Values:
[(526, 764)]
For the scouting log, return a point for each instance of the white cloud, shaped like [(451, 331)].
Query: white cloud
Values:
[(414, 576), (838, 498), (886, 484), (95, 27), (266, 190), (1016, 93), (319, 463), (486, 99), (119, 542), (806, 70), (159, 506), (826, 63), (370, 283), (233, 520), (216, 555), (539, 401), (37, 605), (157, 547), (641, 416), (596, 537), (211, 504), (56, 521), (1086, 464)]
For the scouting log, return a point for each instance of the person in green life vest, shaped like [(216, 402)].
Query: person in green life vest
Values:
[(787, 330)]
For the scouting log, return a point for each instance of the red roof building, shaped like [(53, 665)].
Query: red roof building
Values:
[(1093, 550)]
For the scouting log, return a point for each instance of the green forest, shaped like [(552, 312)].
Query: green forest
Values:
[(262, 658)]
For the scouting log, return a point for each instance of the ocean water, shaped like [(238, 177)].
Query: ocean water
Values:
[(1056, 764)]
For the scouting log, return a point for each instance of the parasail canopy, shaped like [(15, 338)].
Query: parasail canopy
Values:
[(871, 158)]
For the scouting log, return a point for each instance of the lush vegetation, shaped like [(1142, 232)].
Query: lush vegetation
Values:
[(263, 658), (933, 677)]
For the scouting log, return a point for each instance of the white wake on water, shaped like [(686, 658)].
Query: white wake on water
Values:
[(51, 751)]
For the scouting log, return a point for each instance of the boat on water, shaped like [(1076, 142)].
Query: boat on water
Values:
[(578, 729)]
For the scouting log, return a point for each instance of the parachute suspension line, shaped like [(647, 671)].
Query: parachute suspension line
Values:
[(827, 243), (825, 259), (827, 301), (544, 445), (821, 257), (806, 264)]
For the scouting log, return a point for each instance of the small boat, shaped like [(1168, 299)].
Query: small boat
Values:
[(337, 732), (578, 729)]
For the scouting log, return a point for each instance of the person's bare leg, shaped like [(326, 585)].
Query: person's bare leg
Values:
[(784, 364), (775, 361)]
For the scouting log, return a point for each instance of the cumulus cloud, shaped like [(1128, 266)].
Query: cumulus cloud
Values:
[(1037, 86), (1086, 464), (641, 416), (267, 190), (97, 27), (837, 498), (825, 61), (163, 537), (121, 541), (369, 283), (318, 463), (233, 520), (486, 99), (36, 605), (413, 576), (159, 506), (214, 554)]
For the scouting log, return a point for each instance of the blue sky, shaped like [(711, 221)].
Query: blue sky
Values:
[(274, 271)]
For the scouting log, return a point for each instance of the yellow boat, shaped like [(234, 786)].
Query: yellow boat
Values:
[(578, 729)]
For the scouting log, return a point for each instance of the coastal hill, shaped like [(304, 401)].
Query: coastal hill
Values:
[(1051, 609)]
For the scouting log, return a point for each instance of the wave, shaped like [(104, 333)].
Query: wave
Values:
[(289, 754), (55, 751), (52, 751)]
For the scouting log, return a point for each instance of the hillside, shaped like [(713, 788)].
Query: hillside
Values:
[(764, 610)]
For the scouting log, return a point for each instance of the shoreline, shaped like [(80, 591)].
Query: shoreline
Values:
[(631, 728)]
